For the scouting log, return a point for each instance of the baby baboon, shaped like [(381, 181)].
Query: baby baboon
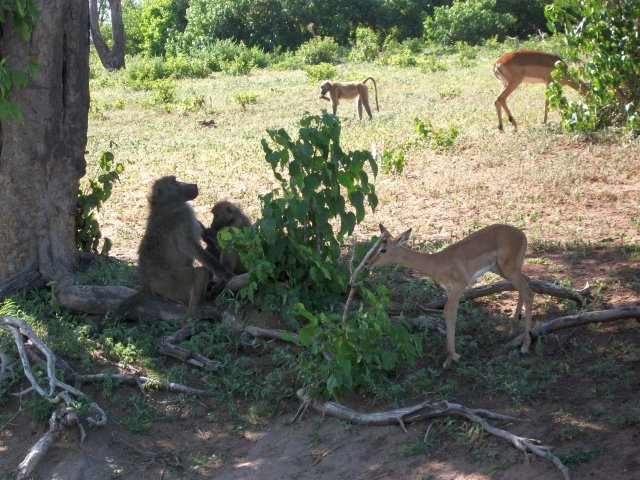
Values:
[(338, 90), (170, 245), (225, 214)]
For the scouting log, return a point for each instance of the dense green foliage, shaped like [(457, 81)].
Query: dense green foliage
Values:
[(605, 36), (356, 355), (161, 27), (90, 200), (469, 21), (293, 245), (22, 14)]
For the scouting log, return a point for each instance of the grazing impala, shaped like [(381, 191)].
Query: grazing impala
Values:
[(527, 66), (496, 248)]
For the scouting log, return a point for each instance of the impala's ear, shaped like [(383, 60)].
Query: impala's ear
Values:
[(384, 231), (403, 237)]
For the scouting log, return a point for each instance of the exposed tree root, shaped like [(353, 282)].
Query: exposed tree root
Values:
[(538, 286), (168, 346), (426, 410), (140, 380), (613, 315), (56, 393)]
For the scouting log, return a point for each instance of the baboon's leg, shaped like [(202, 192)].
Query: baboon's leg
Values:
[(367, 108), (200, 278), (359, 107)]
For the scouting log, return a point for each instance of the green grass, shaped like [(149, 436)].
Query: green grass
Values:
[(485, 177)]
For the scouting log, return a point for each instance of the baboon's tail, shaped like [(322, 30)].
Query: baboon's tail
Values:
[(376, 88)]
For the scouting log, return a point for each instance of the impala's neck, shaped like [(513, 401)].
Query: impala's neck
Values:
[(427, 263)]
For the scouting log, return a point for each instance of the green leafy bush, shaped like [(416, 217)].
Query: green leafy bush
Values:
[(468, 21), (321, 71), (318, 50), (141, 69), (293, 252), (246, 98), (240, 65), (357, 354), (607, 36), (90, 201), (392, 161), (366, 46), (439, 138)]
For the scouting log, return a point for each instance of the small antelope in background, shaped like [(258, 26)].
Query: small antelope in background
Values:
[(527, 66), (496, 248)]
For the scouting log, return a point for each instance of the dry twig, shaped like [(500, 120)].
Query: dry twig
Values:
[(352, 281)]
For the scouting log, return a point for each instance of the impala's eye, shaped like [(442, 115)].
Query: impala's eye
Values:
[(383, 250)]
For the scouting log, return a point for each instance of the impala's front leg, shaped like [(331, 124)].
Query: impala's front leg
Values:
[(450, 316)]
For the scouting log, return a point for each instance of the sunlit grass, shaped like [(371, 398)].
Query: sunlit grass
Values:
[(555, 187)]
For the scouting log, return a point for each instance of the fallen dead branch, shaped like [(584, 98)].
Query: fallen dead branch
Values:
[(168, 346), (140, 380), (425, 322), (270, 334), (426, 410), (613, 315), (538, 286), (56, 393)]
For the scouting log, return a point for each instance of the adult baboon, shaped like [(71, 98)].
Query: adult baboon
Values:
[(170, 245), (338, 90), (225, 214)]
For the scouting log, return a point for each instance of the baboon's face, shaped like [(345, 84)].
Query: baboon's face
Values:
[(324, 87), (224, 213), (168, 189)]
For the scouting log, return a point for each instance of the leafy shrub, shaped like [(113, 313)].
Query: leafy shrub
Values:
[(392, 161), (431, 63), (293, 245), (163, 93), (607, 35), (246, 98), (439, 138), (404, 54), (321, 71), (141, 69), (90, 201), (181, 66), (265, 23), (190, 104), (468, 21), (366, 45), (357, 354), (240, 65), (318, 50)]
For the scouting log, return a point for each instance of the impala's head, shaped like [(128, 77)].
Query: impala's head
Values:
[(389, 245)]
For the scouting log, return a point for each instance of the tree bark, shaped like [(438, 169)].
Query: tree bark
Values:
[(112, 58), (42, 155)]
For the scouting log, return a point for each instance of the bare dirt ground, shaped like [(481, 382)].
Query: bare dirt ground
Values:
[(187, 445)]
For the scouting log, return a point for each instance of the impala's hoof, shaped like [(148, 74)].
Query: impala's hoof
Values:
[(450, 359)]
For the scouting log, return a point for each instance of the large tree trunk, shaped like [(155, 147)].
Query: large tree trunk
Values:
[(111, 58), (42, 155)]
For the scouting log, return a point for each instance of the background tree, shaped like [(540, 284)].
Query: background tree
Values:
[(111, 57), (42, 153), (605, 36)]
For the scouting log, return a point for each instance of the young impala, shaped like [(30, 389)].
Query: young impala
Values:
[(527, 66), (496, 248)]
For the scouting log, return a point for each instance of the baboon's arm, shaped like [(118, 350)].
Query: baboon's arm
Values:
[(194, 250)]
